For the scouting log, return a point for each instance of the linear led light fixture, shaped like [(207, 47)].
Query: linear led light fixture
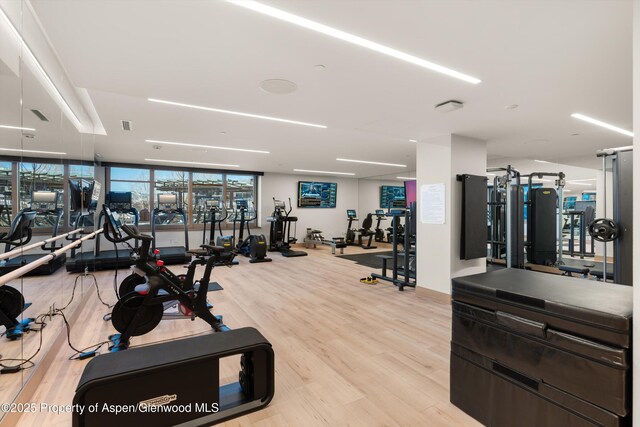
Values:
[(601, 124), (371, 163), (184, 144), (46, 80), (408, 178), (541, 161), (413, 140), (17, 128), (235, 113), (579, 183), (33, 151), (542, 179), (329, 172), (582, 180), (351, 38), (193, 163)]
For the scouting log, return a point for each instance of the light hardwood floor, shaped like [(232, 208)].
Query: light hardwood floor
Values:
[(347, 354)]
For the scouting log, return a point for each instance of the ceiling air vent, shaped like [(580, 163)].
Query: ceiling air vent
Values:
[(39, 115), (448, 106), (126, 125)]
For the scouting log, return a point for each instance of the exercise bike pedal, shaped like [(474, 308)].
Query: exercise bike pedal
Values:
[(17, 331), (116, 343)]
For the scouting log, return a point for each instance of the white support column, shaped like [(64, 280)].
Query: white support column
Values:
[(439, 160), (636, 211)]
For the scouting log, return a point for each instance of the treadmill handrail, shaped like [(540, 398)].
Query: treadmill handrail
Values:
[(21, 249), (19, 272)]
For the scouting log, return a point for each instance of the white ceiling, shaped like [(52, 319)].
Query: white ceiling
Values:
[(550, 58)]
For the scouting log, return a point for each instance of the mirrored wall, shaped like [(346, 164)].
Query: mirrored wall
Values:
[(46, 177)]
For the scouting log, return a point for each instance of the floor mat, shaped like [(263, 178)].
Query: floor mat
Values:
[(368, 259)]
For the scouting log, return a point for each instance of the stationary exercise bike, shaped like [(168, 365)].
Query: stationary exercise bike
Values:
[(12, 302), (380, 216), (140, 310)]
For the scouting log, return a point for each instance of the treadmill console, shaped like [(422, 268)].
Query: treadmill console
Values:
[(242, 204), (44, 201), (212, 204), (351, 213), (167, 201), (119, 201)]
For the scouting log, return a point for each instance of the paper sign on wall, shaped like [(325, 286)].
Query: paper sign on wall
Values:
[(432, 204)]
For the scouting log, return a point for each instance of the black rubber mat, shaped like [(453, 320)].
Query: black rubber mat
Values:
[(369, 259)]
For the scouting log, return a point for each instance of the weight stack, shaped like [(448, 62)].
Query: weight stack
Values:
[(542, 226)]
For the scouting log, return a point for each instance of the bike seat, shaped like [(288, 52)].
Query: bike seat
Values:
[(215, 250)]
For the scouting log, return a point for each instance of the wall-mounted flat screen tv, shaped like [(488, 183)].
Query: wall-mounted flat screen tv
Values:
[(317, 194), (392, 197), (410, 192)]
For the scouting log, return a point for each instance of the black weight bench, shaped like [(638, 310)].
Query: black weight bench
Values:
[(568, 270), (599, 274)]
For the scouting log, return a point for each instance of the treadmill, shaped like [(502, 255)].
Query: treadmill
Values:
[(165, 213), (120, 203), (45, 210)]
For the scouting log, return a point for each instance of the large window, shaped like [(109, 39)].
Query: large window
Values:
[(194, 189), (40, 177), (206, 186), (137, 181), (173, 182)]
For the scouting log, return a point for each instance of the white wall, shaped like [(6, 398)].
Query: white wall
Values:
[(331, 221), (439, 160)]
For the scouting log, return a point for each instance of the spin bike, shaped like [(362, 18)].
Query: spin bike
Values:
[(142, 300)]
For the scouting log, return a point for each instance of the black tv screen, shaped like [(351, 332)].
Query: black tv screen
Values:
[(317, 194), (392, 197)]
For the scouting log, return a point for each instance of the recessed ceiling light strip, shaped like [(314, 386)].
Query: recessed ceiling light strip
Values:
[(327, 172), (17, 128), (371, 163), (192, 163), (235, 113), (350, 38), (19, 150), (579, 183), (408, 178), (213, 147), (601, 124), (46, 80)]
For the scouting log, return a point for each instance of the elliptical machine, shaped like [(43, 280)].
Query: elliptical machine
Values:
[(141, 310), (216, 215), (280, 238), (255, 245)]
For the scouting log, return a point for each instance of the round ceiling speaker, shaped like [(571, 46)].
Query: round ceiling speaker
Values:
[(278, 86)]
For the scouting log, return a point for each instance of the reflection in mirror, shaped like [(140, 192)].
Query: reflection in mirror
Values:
[(42, 153)]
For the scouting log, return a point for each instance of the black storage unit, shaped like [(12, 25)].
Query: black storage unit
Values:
[(533, 349), (542, 226)]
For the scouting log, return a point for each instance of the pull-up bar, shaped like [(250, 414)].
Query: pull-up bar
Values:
[(15, 274), (21, 249)]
